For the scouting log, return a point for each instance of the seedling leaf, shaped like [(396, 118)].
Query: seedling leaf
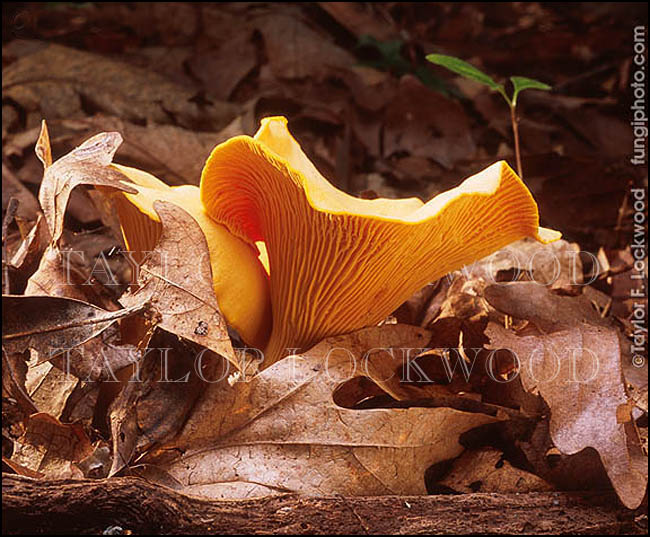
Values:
[(464, 69), (521, 83)]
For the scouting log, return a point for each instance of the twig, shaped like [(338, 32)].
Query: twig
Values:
[(12, 207)]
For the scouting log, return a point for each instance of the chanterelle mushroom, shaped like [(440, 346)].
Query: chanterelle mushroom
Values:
[(338, 263)]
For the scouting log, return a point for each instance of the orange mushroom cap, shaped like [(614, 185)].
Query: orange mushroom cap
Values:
[(240, 281), (338, 263)]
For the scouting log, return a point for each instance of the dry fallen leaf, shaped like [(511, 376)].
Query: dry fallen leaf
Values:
[(60, 394), (85, 165), (113, 87), (20, 469), (417, 113), (12, 187), (14, 373), (64, 322), (573, 359), (581, 471), (296, 51), (281, 431), (154, 405), (362, 19), (29, 252), (484, 470), (50, 325), (56, 275), (43, 148), (223, 68), (176, 280), (548, 311), (52, 448), (92, 352)]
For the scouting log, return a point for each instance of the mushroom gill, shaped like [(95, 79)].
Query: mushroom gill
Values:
[(239, 279), (338, 263)]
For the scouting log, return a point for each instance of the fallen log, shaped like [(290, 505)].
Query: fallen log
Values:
[(129, 504)]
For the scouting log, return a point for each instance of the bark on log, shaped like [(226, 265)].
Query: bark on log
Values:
[(92, 506)]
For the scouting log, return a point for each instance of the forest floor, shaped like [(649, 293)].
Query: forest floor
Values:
[(377, 120)]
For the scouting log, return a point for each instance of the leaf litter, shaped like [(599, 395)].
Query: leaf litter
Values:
[(281, 431), (599, 414), (386, 119)]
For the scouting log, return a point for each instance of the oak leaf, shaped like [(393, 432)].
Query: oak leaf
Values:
[(572, 357), (282, 431)]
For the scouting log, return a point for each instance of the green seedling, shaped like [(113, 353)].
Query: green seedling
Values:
[(519, 83)]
